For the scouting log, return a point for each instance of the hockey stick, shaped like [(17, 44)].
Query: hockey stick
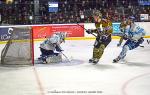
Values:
[(66, 57), (148, 41), (81, 26), (85, 29)]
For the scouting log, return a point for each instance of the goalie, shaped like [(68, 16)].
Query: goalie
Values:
[(134, 36), (50, 48), (103, 36)]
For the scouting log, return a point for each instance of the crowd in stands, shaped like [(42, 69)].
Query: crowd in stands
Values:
[(69, 11)]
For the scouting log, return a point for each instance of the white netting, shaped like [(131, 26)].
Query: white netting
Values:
[(18, 49)]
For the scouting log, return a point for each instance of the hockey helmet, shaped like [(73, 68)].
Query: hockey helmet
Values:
[(97, 16), (132, 18), (62, 35), (97, 13)]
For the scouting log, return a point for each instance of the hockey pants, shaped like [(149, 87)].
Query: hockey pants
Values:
[(129, 45), (99, 46), (98, 52)]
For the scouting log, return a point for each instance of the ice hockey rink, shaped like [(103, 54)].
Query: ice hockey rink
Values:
[(78, 77)]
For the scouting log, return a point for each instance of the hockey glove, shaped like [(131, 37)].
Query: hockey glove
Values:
[(125, 36), (141, 40), (99, 30), (58, 48), (104, 37)]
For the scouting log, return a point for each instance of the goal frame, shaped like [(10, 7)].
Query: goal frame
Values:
[(8, 42)]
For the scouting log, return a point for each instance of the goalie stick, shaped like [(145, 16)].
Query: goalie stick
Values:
[(65, 57)]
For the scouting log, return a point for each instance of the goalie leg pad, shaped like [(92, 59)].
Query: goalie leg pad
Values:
[(54, 59)]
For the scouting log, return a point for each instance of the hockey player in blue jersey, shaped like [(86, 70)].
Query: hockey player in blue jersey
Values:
[(134, 35), (50, 45)]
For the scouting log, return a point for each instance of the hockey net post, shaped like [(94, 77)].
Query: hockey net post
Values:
[(19, 49)]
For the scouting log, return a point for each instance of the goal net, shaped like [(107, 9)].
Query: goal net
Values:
[(18, 50)]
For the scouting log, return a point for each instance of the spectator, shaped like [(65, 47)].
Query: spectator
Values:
[(69, 11)]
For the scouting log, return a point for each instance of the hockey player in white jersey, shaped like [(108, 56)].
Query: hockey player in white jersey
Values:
[(134, 35), (50, 48)]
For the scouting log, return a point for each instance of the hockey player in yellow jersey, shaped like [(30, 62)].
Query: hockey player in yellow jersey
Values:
[(103, 33), (123, 26)]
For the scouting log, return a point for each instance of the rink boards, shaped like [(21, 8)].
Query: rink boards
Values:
[(74, 31)]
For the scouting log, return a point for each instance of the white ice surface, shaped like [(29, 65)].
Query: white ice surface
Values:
[(80, 77)]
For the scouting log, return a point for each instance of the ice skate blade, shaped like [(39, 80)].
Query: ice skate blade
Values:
[(94, 63), (121, 62)]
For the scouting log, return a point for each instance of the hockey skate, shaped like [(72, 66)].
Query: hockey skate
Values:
[(42, 59), (91, 60), (116, 60), (94, 61), (118, 45)]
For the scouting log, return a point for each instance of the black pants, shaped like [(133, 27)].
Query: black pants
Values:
[(47, 52), (99, 46)]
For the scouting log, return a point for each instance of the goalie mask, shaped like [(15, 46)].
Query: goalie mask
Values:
[(62, 36)]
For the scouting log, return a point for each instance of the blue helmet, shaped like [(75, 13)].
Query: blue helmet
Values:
[(132, 18)]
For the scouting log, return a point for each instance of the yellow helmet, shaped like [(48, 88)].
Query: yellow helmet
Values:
[(97, 13)]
